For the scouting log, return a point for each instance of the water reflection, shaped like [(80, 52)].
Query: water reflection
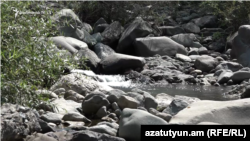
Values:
[(201, 92)]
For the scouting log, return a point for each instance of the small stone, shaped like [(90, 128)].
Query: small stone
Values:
[(127, 102), (115, 106), (102, 112)]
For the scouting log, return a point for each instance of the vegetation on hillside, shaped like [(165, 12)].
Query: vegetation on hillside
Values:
[(26, 61)]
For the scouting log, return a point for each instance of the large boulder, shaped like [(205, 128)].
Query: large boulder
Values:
[(170, 30), (224, 77), (151, 46), (69, 25), (112, 33), (101, 21), (138, 28), (222, 112), (131, 121), (187, 40), (205, 63), (240, 45), (225, 65), (52, 117), (103, 51), (163, 100), (61, 43), (127, 102), (178, 104), (66, 15), (239, 76), (206, 21), (62, 106), (117, 63), (191, 28), (79, 83), (89, 58), (93, 102)]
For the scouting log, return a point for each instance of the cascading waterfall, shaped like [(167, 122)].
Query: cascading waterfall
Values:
[(110, 80)]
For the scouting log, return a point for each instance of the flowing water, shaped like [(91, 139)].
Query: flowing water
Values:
[(201, 92)]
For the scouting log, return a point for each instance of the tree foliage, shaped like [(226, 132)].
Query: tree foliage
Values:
[(27, 63), (232, 14)]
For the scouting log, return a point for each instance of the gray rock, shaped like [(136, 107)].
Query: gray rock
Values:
[(98, 37), (138, 28), (191, 28), (116, 63), (46, 93), (218, 46), (66, 14), (112, 125), (112, 33), (73, 116), (79, 83), (127, 102), (115, 106), (193, 51), (137, 96), (60, 91), (14, 122), (178, 104), (103, 128), (183, 58), (186, 40), (164, 116), (246, 93), (206, 21), (163, 100), (223, 112), (100, 28), (75, 125), (202, 50), (92, 60), (85, 135), (239, 42), (239, 76), (72, 95), (233, 66), (93, 103), (131, 121), (170, 30), (61, 43), (64, 106), (151, 46), (205, 63), (102, 112), (103, 51), (75, 28), (39, 137), (196, 44), (88, 135), (114, 95), (52, 117), (87, 27), (118, 112), (190, 17), (224, 77), (149, 101), (100, 21)]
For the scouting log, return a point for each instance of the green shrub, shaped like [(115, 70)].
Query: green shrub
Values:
[(26, 61), (232, 14)]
